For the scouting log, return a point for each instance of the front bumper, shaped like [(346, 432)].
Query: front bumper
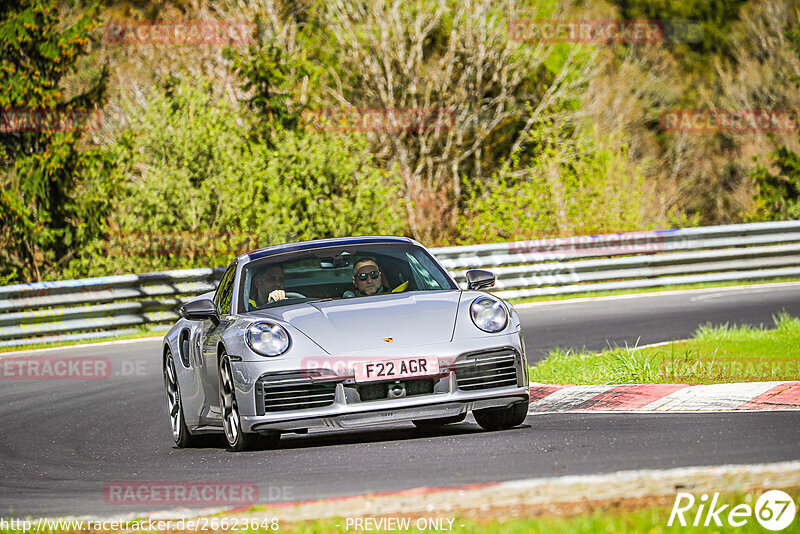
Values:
[(486, 378), (340, 415)]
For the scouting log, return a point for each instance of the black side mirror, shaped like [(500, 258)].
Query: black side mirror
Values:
[(200, 310), (479, 279)]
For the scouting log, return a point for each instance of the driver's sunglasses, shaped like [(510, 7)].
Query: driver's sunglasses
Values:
[(372, 274)]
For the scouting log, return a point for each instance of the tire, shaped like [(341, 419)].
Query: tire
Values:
[(231, 423), (180, 433), (502, 418), (435, 423)]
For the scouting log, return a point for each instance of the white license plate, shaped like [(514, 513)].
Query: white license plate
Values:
[(395, 368)]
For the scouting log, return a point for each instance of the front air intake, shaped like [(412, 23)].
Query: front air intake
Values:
[(486, 371), (282, 393)]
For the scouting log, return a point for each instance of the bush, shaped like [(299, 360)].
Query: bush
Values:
[(315, 185), (572, 186), (196, 189), (777, 195)]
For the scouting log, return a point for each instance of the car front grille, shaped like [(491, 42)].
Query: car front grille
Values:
[(295, 394), (487, 370)]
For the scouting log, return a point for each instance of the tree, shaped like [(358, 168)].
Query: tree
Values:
[(44, 164), (458, 67), (271, 75)]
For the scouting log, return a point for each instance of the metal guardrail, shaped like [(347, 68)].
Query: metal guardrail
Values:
[(108, 306), (45, 312)]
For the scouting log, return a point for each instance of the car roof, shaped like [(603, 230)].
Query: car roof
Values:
[(333, 242)]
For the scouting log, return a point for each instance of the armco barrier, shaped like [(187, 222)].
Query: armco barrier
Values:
[(69, 310), (101, 307)]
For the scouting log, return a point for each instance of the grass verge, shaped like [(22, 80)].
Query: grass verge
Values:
[(662, 289), (623, 516), (716, 354), (641, 514)]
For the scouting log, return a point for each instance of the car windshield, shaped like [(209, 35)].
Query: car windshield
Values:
[(339, 272)]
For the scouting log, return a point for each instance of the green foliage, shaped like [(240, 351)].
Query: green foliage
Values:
[(714, 16), (181, 166), (190, 179), (777, 188), (195, 190), (272, 76), (45, 220), (568, 186), (322, 185)]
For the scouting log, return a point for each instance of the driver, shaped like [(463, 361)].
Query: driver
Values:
[(268, 286), (366, 279)]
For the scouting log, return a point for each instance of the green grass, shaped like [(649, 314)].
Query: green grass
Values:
[(714, 355), (648, 520), (134, 335), (650, 290), (617, 517)]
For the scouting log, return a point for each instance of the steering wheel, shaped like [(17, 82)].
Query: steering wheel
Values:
[(291, 295)]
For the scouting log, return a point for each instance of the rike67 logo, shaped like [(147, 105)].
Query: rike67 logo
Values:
[(774, 510)]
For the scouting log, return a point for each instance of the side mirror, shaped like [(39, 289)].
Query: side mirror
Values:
[(200, 310), (479, 279)]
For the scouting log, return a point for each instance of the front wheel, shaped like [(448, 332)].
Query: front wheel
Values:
[(502, 418), (236, 438), (180, 433)]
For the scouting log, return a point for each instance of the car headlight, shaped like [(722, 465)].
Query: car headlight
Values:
[(267, 339), (488, 314)]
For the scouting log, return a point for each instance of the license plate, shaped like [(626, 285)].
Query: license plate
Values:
[(395, 368)]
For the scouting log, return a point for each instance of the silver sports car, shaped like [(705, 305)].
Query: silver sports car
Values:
[(342, 333)]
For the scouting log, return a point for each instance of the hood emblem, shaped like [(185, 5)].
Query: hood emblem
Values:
[(388, 339)]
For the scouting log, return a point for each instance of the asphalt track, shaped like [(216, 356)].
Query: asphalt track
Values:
[(64, 441)]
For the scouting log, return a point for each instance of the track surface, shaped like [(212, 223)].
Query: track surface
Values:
[(63, 441)]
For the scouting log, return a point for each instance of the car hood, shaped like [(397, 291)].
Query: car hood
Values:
[(367, 323)]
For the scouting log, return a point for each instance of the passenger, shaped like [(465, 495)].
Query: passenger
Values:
[(267, 286), (366, 279)]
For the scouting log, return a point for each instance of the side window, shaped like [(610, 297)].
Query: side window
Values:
[(427, 279), (225, 291)]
